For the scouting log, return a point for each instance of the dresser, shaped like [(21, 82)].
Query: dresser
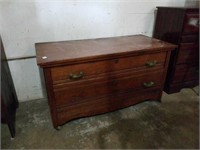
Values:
[(180, 26), (95, 76), (9, 101)]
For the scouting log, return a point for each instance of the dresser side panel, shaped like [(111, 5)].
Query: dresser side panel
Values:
[(50, 94)]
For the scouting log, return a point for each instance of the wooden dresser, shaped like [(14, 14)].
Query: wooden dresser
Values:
[(9, 101), (88, 77), (180, 26)]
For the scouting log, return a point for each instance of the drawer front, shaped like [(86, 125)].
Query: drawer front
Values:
[(93, 69), (192, 73), (188, 53), (186, 72), (190, 38), (106, 104), (191, 23), (74, 94)]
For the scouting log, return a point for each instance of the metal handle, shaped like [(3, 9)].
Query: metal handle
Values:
[(148, 84), (151, 63), (76, 76)]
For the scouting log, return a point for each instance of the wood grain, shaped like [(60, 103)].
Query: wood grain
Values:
[(82, 50)]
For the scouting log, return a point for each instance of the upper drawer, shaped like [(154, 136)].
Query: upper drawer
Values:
[(191, 24), (92, 69)]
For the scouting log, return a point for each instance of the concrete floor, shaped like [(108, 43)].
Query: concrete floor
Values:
[(174, 123)]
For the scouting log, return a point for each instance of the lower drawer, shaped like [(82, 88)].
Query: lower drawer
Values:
[(107, 103), (74, 94), (186, 72), (176, 87), (188, 53)]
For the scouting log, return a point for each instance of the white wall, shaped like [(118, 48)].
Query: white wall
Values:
[(191, 3), (25, 22)]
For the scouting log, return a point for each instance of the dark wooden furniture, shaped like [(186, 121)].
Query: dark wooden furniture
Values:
[(9, 101), (180, 26), (88, 77)]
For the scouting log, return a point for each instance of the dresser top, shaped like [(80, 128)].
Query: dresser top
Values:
[(184, 8), (64, 52)]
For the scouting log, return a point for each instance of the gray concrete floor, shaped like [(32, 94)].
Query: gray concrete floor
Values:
[(174, 123)]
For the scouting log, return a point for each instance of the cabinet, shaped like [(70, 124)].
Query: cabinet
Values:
[(180, 26), (89, 77), (9, 101)]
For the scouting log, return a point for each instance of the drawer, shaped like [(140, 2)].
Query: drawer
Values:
[(106, 103), (73, 94), (185, 72), (192, 74), (190, 38), (93, 69), (191, 24), (188, 53)]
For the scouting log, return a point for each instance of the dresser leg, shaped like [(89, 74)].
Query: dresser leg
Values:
[(58, 128), (11, 127), (159, 98)]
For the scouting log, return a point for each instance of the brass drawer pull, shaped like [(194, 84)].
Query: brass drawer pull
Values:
[(151, 63), (76, 76), (148, 84)]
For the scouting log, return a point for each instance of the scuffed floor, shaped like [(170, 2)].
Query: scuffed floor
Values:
[(174, 123)]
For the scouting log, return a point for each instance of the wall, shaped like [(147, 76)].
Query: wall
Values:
[(191, 3), (26, 22)]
